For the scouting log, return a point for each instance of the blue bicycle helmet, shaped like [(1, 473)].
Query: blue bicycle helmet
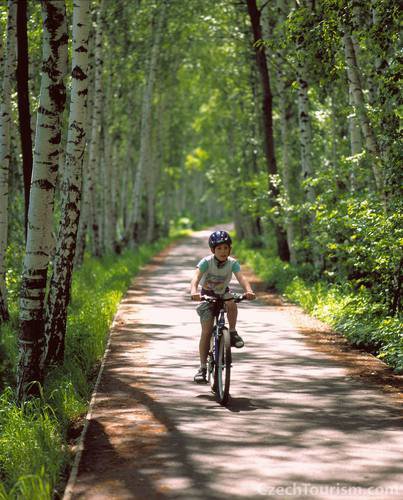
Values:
[(218, 238)]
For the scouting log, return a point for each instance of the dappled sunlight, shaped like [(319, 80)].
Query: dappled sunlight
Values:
[(294, 415)]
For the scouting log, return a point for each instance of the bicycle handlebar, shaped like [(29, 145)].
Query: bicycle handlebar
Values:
[(237, 297)]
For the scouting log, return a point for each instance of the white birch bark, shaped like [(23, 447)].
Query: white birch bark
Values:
[(85, 195), (93, 161), (32, 106), (286, 171), (355, 139), (60, 284), (355, 87), (113, 169), (354, 129), (146, 122), (8, 68), (109, 220), (44, 174), (150, 182), (305, 130), (124, 193), (154, 172), (305, 135)]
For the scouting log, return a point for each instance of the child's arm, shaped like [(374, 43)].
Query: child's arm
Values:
[(245, 285), (194, 284)]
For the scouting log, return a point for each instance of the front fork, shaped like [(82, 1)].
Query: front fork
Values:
[(215, 337)]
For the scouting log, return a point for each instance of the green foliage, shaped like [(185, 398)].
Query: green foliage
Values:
[(360, 242), (207, 140), (30, 444), (274, 272), (354, 312)]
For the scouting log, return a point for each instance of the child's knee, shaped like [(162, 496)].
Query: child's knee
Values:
[(231, 306), (207, 326)]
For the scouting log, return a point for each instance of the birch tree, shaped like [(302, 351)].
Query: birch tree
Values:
[(285, 115), (355, 88), (46, 157), (355, 138), (153, 174), (93, 161), (60, 283), (109, 195), (305, 128), (85, 199), (145, 133), (5, 144)]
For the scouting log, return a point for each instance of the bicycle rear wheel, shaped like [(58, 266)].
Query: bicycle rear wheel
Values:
[(222, 373)]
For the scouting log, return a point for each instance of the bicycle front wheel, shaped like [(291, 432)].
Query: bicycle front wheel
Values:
[(210, 365), (223, 367)]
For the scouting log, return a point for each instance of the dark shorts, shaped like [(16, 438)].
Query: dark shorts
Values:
[(206, 310)]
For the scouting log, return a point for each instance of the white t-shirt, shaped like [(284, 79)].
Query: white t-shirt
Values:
[(217, 278)]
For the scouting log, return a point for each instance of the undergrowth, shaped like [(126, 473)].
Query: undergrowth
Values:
[(34, 452), (350, 311)]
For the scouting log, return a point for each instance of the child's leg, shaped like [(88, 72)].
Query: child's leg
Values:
[(204, 344), (232, 314)]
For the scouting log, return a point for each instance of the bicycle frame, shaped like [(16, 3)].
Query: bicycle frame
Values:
[(219, 324), (220, 358)]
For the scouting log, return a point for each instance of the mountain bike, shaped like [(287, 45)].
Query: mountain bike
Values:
[(219, 359)]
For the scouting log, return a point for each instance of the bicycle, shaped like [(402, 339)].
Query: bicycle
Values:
[(219, 359)]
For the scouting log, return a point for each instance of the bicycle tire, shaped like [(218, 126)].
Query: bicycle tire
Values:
[(210, 364), (222, 372)]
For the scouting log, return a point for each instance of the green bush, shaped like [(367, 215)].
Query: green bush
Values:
[(353, 311)]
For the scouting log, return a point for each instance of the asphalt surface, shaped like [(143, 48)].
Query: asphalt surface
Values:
[(296, 426)]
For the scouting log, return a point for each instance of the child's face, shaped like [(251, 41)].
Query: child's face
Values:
[(222, 251)]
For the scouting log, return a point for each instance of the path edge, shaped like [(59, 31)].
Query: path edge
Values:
[(68, 492)]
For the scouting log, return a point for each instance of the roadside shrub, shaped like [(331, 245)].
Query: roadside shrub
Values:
[(352, 311)]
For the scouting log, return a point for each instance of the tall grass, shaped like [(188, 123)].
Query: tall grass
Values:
[(349, 310), (34, 452)]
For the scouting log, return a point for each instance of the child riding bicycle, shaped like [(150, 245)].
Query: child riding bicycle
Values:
[(214, 274)]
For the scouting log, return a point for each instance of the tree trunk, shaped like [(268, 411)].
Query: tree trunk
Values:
[(267, 111), (60, 284), (93, 162), (109, 187), (287, 178), (355, 140), (286, 112), (146, 124), (23, 103), (85, 195), (305, 131), (153, 174), (354, 82), (44, 174), (5, 148)]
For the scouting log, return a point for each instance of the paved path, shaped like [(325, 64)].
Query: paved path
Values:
[(297, 426)]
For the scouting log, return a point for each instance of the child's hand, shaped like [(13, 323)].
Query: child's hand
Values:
[(250, 296), (196, 297)]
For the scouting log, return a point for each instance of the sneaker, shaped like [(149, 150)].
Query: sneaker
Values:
[(201, 376), (236, 340)]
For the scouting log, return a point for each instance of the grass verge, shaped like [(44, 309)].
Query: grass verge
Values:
[(350, 311), (34, 451)]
